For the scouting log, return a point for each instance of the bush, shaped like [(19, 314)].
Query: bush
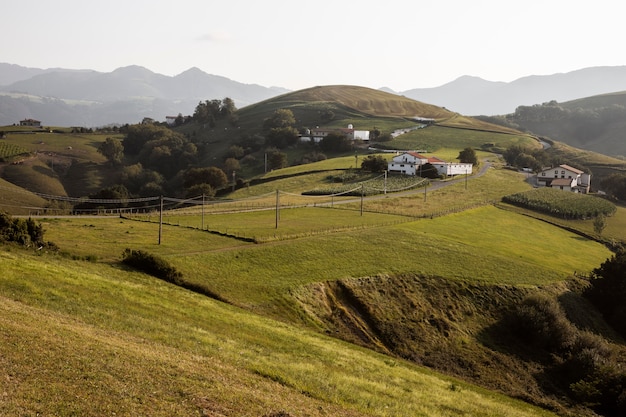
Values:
[(608, 290), (541, 321), (24, 232), (153, 265)]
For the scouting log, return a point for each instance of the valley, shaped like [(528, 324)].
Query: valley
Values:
[(401, 303)]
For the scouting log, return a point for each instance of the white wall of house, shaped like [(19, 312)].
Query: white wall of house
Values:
[(361, 135), (405, 168), (409, 163), (449, 169), (553, 177)]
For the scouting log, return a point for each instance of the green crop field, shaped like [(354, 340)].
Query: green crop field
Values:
[(9, 150)]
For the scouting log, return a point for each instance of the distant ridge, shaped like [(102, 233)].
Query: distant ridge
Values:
[(475, 96), (60, 97)]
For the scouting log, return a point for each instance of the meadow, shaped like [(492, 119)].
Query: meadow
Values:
[(85, 335), (143, 347)]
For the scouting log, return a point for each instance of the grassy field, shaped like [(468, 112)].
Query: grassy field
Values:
[(434, 138), (484, 243), (82, 335), (119, 341), (91, 340)]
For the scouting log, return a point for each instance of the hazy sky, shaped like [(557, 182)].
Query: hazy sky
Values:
[(400, 44)]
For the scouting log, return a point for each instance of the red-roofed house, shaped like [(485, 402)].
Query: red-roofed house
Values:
[(409, 163), (30, 122), (566, 178)]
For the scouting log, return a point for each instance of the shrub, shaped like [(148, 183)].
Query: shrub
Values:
[(24, 232), (540, 320), (608, 290), (153, 265)]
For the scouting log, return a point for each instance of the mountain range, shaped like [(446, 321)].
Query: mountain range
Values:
[(473, 96), (63, 97)]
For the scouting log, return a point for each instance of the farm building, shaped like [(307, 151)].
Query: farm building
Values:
[(565, 177), (317, 134), (409, 163), (30, 122)]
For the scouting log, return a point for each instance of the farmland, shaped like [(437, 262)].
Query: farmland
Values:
[(560, 204), (288, 304)]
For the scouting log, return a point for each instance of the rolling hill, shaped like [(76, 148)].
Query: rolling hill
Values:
[(68, 162), (394, 305), (594, 123)]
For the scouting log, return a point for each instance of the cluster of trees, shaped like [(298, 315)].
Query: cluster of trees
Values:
[(209, 111), (159, 160), (575, 123), (523, 157), (615, 185)]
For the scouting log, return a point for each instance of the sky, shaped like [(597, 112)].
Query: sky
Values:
[(399, 44)]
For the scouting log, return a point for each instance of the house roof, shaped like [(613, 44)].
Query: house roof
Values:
[(435, 160), (569, 168), (562, 182), (417, 155)]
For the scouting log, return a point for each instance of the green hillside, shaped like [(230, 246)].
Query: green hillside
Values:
[(419, 285), (592, 123)]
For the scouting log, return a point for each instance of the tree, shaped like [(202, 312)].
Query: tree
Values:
[(276, 159), (200, 189), (228, 107), (113, 150), (599, 223), (468, 156), (428, 170), (335, 142), (608, 290), (231, 165), (281, 137), (213, 176), (279, 119), (374, 163), (236, 151)]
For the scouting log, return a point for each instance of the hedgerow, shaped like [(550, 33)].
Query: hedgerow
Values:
[(562, 204)]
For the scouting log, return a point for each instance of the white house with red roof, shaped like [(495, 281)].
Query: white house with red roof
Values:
[(409, 163), (565, 177)]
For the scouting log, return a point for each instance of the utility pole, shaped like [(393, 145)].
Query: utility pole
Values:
[(277, 208), (362, 195), (160, 219), (202, 211), (385, 188)]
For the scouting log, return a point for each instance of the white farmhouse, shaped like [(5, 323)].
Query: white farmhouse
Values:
[(317, 134), (566, 178), (409, 163)]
